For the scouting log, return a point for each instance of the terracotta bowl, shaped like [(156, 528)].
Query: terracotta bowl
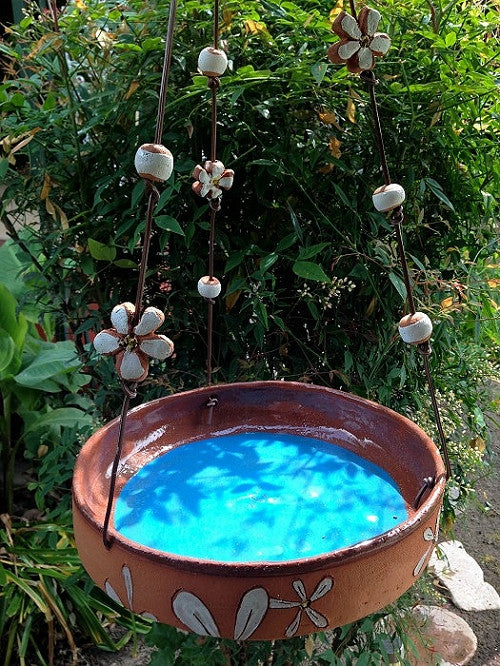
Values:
[(260, 600)]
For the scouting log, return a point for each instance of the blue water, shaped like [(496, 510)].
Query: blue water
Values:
[(257, 497)]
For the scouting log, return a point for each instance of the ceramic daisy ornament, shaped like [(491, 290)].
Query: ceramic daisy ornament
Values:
[(211, 179), (360, 43), (132, 346)]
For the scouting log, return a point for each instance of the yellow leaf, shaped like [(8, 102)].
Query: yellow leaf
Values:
[(255, 27), (51, 39), (334, 147), (351, 109), (336, 10), (371, 307), (477, 443), (227, 16), (309, 646), (447, 303), (493, 304), (47, 185), (131, 89), (231, 299), (326, 168), (436, 118), (79, 4), (494, 283), (329, 118)]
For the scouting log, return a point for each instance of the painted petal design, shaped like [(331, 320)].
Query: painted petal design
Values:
[(192, 612), (316, 618), (281, 603), (127, 579), (365, 58), (322, 588), (380, 43), (111, 593), (298, 586), (428, 534), (216, 168), (197, 171), (157, 346), (151, 319), (251, 612), (347, 49), (107, 342), (131, 366), (333, 53), (292, 628), (121, 316), (368, 20), (422, 561), (204, 177), (149, 616), (226, 182), (349, 26)]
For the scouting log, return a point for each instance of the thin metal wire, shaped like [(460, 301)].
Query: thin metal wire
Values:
[(129, 389), (397, 219), (214, 85)]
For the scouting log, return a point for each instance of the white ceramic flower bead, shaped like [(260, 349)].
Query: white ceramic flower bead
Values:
[(121, 316), (151, 319), (209, 288), (388, 197), (415, 329), (154, 162), (157, 346), (212, 61)]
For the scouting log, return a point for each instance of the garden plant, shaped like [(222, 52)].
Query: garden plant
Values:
[(312, 289)]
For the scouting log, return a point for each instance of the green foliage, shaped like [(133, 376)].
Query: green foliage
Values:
[(44, 592), (39, 383)]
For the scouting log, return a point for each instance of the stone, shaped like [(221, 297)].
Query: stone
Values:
[(439, 637), (463, 577)]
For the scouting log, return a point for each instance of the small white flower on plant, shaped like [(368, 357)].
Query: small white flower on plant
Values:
[(304, 605), (132, 346), (360, 43), (211, 179)]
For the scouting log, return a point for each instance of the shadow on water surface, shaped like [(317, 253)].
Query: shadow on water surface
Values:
[(257, 496)]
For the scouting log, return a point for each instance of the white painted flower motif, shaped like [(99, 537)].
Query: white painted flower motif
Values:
[(359, 42), (132, 345), (211, 179), (304, 605), (193, 613), (431, 537), (129, 589)]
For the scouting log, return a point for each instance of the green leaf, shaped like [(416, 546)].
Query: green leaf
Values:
[(450, 38), (15, 325), (101, 252), (42, 373), (8, 351), (64, 417), (318, 70), (268, 261), (437, 190), (4, 167), (311, 251), (125, 263), (310, 271), (169, 223), (399, 285)]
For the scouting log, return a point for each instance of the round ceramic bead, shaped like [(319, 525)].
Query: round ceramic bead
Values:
[(212, 61), (209, 288), (388, 197), (154, 162), (415, 328)]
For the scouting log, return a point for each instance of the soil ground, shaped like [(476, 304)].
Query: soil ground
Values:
[(479, 531)]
